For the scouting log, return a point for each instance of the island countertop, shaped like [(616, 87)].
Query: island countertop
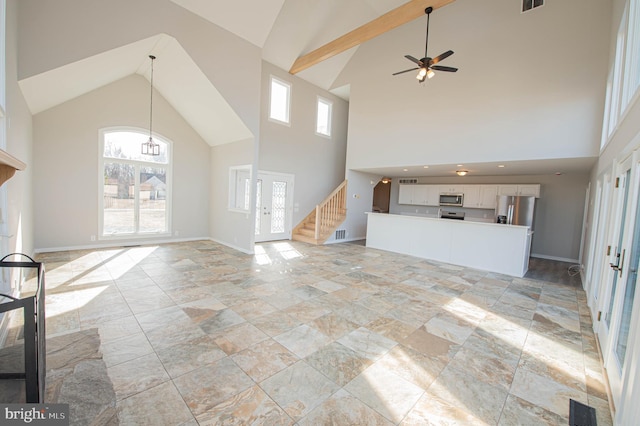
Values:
[(492, 247)]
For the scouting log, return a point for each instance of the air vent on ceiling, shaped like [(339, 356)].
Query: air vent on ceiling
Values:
[(405, 181), (531, 4)]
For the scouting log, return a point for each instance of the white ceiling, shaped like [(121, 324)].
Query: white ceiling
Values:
[(529, 167), (284, 30)]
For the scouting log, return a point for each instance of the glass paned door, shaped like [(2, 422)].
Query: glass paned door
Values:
[(274, 206)]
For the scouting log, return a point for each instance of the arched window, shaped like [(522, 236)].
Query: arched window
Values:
[(135, 189)]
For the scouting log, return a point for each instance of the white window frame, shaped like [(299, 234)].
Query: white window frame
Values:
[(533, 6), (287, 86), (144, 134), (623, 83), (240, 189), (329, 117)]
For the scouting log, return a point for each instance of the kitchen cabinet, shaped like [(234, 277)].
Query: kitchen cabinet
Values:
[(419, 195), (480, 196), (451, 189), (405, 194), (527, 190)]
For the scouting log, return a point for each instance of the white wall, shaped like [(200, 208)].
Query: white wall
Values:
[(527, 88), (317, 162), (229, 227), (359, 201), (558, 213), (20, 145), (65, 163), (623, 141)]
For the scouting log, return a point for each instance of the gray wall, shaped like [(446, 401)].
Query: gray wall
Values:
[(506, 102), (65, 163), (317, 162), (558, 215), (229, 227)]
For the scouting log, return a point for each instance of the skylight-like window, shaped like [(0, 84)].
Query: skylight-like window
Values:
[(323, 121), (280, 101), (531, 4)]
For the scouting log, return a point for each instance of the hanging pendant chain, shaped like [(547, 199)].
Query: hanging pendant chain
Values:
[(151, 102)]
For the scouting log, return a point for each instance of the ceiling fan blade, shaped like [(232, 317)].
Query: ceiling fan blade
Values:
[(441, 68), (412, 59), (440, 57), (402, 72)]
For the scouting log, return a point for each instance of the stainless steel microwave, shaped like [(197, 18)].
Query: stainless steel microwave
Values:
[(451, 200)]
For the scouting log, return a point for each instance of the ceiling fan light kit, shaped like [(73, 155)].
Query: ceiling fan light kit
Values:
[(427, 66)]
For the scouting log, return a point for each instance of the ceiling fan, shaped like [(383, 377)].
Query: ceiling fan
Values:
[(427, 66)]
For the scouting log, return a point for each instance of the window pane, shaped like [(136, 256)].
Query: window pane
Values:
[(323, 123), (258, 206), (279, 101), (278, 207), (118, 194), (153, 200), (128, 145)]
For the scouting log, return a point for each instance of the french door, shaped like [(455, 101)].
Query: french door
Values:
[(274, 206), (618, 291)]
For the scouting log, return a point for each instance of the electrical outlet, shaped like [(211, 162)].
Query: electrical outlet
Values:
[(93, 238)]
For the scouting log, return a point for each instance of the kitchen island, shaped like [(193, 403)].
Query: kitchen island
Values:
[(492, 247)]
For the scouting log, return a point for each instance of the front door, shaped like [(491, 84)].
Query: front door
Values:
[(274, 206)]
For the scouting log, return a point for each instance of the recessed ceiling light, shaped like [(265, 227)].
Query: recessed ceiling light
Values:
[(461, 172), (459, 165), (501, 166), (558, 173), (405, 170), (425, 167)]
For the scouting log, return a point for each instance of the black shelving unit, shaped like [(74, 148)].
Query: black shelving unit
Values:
[(34, 330)]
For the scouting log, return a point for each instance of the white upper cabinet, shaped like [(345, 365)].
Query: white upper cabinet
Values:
[(475, 196), (471, 196), (530, 190), (451, 189), (405, 194), (488, 194), (480, 196), (419, 195)]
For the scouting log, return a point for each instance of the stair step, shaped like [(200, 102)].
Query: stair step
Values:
[(304, 239), (307, 232)]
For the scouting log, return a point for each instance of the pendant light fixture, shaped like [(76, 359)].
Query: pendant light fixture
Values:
[(150, 147)]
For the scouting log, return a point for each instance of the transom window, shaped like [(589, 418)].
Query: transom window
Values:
[(134, 188), (323, 120), (280, 100), (531, 4)]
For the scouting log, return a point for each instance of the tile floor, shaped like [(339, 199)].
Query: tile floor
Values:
[(197, 333)]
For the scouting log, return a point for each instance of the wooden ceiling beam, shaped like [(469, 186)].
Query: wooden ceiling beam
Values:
[(390, 20)]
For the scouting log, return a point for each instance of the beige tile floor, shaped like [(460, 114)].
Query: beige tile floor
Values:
[(197, 333)]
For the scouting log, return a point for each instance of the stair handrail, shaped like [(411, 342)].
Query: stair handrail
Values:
[(330, 208)]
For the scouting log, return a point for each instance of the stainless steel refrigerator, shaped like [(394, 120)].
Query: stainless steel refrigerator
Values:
[(514, 210)]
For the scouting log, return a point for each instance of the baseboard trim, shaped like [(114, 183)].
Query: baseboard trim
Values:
[(114, 244), (559, 259), (226, 244), (346, 240)]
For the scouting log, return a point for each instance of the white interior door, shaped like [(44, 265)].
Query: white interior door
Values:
[(620, 281), (274, 206)]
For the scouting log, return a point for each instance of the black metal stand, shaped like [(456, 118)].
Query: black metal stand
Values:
[(34, 332)]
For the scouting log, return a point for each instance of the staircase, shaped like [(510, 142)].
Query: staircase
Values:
[(318, 226)]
